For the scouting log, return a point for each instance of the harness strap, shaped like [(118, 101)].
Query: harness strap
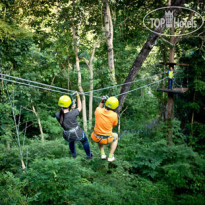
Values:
[(102, 136), (73, 130)]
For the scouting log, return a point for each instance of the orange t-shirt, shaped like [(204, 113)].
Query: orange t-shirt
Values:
[(105, 120)]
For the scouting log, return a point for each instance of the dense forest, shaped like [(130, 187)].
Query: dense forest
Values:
[(49, 48)]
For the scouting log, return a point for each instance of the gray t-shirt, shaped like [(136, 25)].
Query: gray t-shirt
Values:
[(70, 121)]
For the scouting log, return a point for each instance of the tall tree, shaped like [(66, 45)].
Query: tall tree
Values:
[(143, 55), (90, 66), (76, 44), (109, 40), (170, 105)]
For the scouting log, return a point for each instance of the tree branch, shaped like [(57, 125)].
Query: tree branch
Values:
[(85, 60)]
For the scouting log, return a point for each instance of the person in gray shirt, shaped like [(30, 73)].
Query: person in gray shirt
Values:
[(71, 129)]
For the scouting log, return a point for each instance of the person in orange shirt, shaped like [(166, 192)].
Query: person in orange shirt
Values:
[(105, 119)]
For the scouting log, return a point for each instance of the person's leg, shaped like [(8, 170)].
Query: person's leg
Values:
[(102, 151), (101, 147), (171, 83), (72, 148), (113, 147), (86, 146)]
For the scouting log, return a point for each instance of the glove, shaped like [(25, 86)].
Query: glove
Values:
[(104, 98), (75, 94)]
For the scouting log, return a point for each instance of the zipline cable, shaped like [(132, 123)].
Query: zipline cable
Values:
[(48, 89), (51, 86), (35, 86), (124, 83), (43, 84), (30, 81), (140, 87)]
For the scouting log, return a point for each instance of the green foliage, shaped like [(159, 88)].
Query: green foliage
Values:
[(11, 32), (37, 44), (178, 165), (198, 138), (140, 109), (11, 190), (61, 180), (199, 85), (54, 181), (51, 127)]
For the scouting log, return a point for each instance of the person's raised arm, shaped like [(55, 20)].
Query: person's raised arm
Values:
[(103, 100), (101, 104), (79, 104)]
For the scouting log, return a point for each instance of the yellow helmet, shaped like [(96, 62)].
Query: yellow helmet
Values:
[(64, 101), (112, 103)]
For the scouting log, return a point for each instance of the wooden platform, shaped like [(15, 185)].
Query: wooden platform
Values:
[(175, 90)]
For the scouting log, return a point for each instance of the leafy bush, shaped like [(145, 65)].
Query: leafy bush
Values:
[(74, 181), (10, 159), (11, 190)]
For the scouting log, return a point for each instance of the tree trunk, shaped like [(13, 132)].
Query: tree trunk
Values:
[(109, 39), (170, 103), (142, 57), (80, 79), (163, 94), (91, 97), (90, 66), (170, 108), (17, 129), (91, 88), (39, 123), (22, 164), (119, 121), (68, 77)]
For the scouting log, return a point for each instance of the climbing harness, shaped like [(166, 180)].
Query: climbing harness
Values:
[(102, 139), (67, 134)]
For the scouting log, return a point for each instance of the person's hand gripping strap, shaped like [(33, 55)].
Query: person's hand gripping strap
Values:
[(104, 98)]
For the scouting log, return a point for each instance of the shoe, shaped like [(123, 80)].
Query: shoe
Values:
[(103, 156), (74, 156), (111, 159), (91, 156)]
